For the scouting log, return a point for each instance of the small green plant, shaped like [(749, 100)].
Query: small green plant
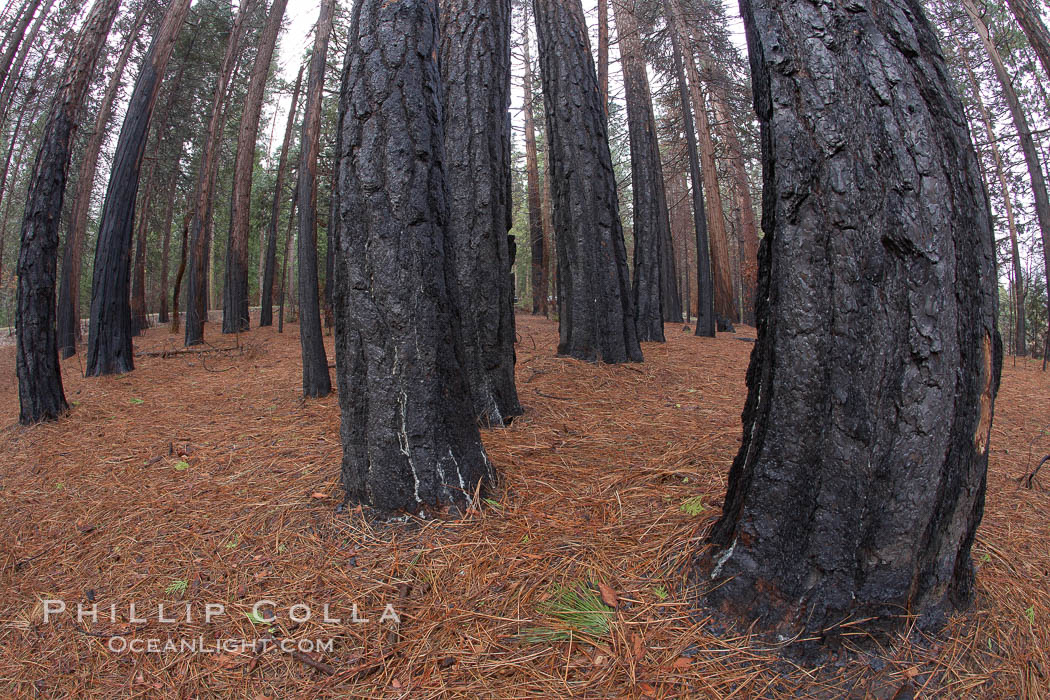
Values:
[(256, 618), (60, 486), (493, 503), (578, 611), (281, 548), (985, 558), (660, 592), (177, 587), (182, 465), (693, 506), (234, 541), (1029, 614), (137, 402)]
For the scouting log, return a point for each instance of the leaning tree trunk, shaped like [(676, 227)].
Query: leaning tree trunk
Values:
[(475, 71), (266, 312), (409, 436), (860, 482), (595, 309), (180, 273), (532, 169), (316, 380), (109, 335), (705, 286), (40, 393), (652, 227), (14, 41), (199, 264), (235, 315), (8, 92), (73, 256), (1031, 22), (1024, 135)]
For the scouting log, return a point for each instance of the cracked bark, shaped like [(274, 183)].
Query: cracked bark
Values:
[(860, 482), (409, 437), (474, 59), (595, 308)]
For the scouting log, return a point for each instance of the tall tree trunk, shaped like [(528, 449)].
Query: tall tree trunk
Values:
[(860, 481), (73, 255), (180, 273), (532, 169), (547, 220), (1031, 22), (235, 316), (652, 226), (316, 380), (595, 309), (139, 317), (40, 393), (289, 236), (475, 72), (409, 437), (718, 239), (705, 309), (603, 53), (109, 336), (266, 312), (10, 85), (1020, 331), (165, 251), (14, 41), (199, 259), (1024, 135)]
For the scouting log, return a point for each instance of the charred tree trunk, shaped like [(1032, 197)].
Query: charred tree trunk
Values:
[(652, 227), (40, 393), (860, 482), (475, 72), (316, 380), (409, 437), (199, 254), (537, 240), (705, 307), (1024, 135), (109, 336), (73, 256), (595, 309), (266, 312), (235, 315)]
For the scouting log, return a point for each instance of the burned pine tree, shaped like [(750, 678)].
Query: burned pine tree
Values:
[(270, 259), (860, 482), (652, 226), (109, 335), (595, 308), (40, 393), (235, 305), (409, 435), (475, 71), (316, 380)]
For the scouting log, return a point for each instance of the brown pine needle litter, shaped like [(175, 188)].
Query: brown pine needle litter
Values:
[(205, 479)]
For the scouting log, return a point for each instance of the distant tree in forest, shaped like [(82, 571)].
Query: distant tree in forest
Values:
[(408, 431), (40, 391), (595, 307), (109, 337), (316, 380), (860, 482)]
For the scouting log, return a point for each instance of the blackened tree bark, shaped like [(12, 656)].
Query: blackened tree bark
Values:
[(652, 227), (316, 380), (40, 393), (705, 287), (532, 169), (595, 309), (860, 481), (235, 316), (1024, 134), (475, 71), (73, 255), (109, 335), (200, 229), (409, 437), (270, 262)]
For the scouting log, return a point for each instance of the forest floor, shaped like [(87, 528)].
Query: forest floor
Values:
[(201, 480)]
